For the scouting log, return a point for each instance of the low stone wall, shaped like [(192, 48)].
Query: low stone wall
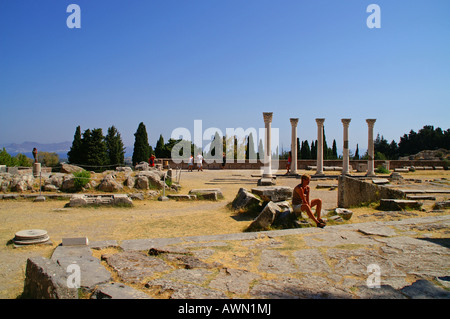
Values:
[(303, 164), (354, 192)]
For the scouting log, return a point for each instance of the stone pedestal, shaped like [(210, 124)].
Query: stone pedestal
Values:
[(370, 148), (294, 122), (345, 152), (319, 171), (36, 169)]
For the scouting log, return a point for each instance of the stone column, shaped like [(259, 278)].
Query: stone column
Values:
[(267, 173), (319, 171), (294, 122), (345, 159), (370, 148)]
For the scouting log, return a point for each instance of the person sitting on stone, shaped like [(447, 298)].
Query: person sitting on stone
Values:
[(301, 203)]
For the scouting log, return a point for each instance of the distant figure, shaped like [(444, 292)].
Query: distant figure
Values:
[(288, 166), (200, 162), (35, 154), (224, 160), (301, 203), (151, 160), (191, 163)]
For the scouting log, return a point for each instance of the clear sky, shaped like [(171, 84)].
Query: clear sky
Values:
[(168, 63)]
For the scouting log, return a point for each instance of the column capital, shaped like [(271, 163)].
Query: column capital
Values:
[(320, 122), (346, 122), (294, 121), (267, 117), (371, 122)]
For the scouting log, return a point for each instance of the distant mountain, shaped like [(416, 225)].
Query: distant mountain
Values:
[(27, 147), (61, 148)]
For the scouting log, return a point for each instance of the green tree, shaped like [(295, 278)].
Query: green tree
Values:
[(260, 150), (141, 151), (75, 155), (356, 156), (334, 154), (160, 149), (48, 159), (6, 159), (114, 147), (314, 149), (250, 152), (22, 160), (381, 146), (94, 149)]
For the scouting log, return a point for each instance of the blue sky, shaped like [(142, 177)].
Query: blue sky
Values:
[(168, 63)]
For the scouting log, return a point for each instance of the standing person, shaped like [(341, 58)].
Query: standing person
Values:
[(200, 162), (191, 163), (151, 160), (301, 203), (288, 166), (224, 160)]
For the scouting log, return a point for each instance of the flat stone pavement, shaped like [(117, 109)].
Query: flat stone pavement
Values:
[(409, 258)]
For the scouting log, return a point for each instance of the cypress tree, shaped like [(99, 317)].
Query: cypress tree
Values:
[(94, 149), (334, 150), (250, 153), (160, 149), (261, 150), (115, 147), (141, 151), (356, 157), (75, 153)]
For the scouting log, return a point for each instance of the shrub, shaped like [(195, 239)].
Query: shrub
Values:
[(382, 170), (81, 179)]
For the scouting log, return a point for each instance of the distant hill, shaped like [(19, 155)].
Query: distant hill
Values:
[(27, 147), (60, 148)]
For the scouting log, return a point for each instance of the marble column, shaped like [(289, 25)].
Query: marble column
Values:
[(294, 122), (267, 173), (319, 171), (345, 153), (370, 148)]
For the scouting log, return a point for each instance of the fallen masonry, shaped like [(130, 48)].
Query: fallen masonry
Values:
[(329, 263), (86, 200)]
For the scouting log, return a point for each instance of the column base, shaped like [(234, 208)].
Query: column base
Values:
[(371, 174), (319, 174), (267, 181)]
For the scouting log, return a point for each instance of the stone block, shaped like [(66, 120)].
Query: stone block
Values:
[(266, 217), (122, 199), (75, 241), (116, 290), (206, 193), (92, 273), (244, 200), (399, 204), (45, 279), (354, 192), (380, 181), (273, 193), (344, 213), (182, 197)]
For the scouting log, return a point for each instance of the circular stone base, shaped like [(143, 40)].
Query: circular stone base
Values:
[(31, 236)]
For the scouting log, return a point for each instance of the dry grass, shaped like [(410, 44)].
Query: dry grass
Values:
[(147, 219)]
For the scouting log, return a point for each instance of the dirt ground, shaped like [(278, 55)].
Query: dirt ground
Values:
[(149, 218)]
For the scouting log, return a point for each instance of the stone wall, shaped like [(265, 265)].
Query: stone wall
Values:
[(303, 164), (355, 192)]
